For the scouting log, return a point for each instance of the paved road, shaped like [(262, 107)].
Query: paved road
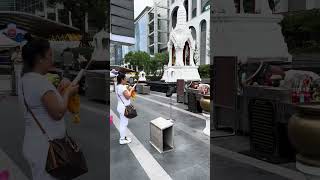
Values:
[(189, 160), (91, 134)]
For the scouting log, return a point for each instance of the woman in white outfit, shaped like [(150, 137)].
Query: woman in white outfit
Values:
[(49, 104), (17, 61), (123, 95)]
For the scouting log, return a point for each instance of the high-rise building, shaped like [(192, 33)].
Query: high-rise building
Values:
[(158, 30), (122, 29), (278, 6), (31, 6), (7, 5), (142, 30), (152, 28), (296, 5), (198, 21)]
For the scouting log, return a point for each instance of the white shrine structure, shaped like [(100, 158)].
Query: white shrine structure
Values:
[(249, 37), (181, 48), (142, 77), (100, 52)]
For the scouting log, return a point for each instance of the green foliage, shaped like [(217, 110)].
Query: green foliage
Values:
[(301, 31), (139, 59), (204, 71), (160, 60), (151, 65)]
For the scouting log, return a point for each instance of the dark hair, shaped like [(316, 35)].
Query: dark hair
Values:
[(28, 37), (120, 77), (31, 53)]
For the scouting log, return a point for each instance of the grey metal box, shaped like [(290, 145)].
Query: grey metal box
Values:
[(97, 85), (143, 89), (146, 90), (162, 135)]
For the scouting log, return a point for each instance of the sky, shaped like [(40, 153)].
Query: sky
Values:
[(139, 5)]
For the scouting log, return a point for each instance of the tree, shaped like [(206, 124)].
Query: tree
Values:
[(160, 60), (139, 59)]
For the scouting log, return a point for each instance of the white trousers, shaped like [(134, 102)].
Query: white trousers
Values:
[(123, 126), (18, 70), (35, 151)]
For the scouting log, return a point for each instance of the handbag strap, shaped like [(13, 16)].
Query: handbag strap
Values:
[(32, 114), (120, 98)]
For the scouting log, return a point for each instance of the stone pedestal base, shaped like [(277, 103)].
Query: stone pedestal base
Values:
[(187, 73), (206, 130), (311, 173)]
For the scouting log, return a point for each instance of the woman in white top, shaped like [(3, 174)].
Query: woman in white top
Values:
[(47, 103), (123, 95), (17, 61)]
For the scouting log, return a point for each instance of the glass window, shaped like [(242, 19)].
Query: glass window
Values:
[(203, 43), (194, 8), (249, 6), (194, 33), (174, 17), (205, 5), (186, 6)]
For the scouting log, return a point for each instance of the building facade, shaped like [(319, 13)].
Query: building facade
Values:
[(296, 5), (158, 35), (7, 5), (278, 6), (152, 28), (142, 31), (198, 21), (122, 31)]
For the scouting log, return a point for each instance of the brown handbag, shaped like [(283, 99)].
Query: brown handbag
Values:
[(130, 111), (65, 160)]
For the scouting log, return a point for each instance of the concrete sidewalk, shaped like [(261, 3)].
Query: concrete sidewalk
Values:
[(6, 164)]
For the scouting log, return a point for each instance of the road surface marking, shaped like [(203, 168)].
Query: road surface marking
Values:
[(162, 96), (152, 168), (173, 107), (272, 168), (7, 164)]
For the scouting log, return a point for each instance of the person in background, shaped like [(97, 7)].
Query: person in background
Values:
[(28, 37), (123, 96), (49, 105), (67, 60), (16, 59)]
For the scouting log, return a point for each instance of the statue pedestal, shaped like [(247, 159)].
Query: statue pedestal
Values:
[(142, 77), (206, 130), (188, 73)]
